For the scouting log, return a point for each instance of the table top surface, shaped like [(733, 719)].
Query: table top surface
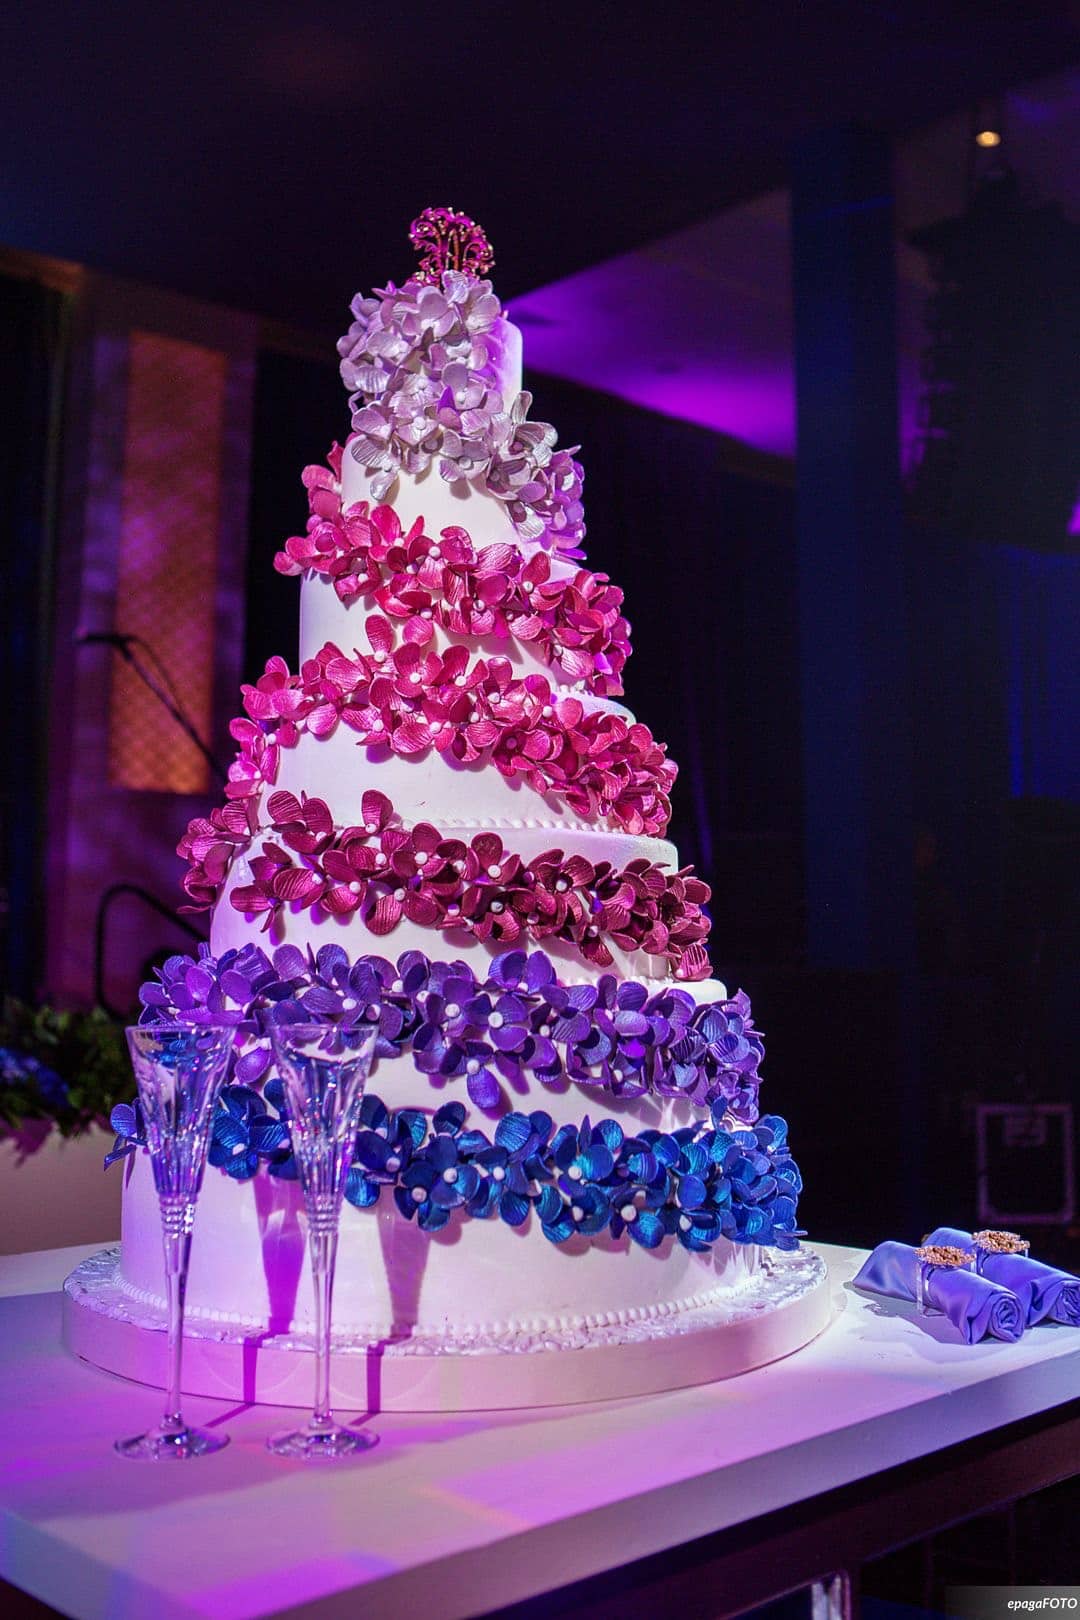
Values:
[(463, 1513)]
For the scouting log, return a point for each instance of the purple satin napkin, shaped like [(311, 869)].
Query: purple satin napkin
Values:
[(974, 1305), (1046, 1293)]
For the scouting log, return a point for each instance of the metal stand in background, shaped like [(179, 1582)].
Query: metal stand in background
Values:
[(113, 892), (158, 682)]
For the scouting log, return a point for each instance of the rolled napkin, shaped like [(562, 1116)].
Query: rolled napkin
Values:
[(1046, 1294), (974, 1305)]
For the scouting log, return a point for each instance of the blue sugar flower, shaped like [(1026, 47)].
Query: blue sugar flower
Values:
[(485, 1201), (697, 1229), (385, 1146), (751, 1224), (648, 1157), (584, 1210), (515, 1134), (456, 1181), (534, 1155), (644, 1225), (127, 1121), (363, 1190), (386, 1156), (587, 1154), (590, 1210), (511, 1164), (449, 1119), (692, 1192), (412, 1196), (504, 1186), (244, 1133), (771, 1134), (282, 1162), (274, 1093)]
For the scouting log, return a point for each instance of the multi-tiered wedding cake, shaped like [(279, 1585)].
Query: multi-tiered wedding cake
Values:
[(445, 822)]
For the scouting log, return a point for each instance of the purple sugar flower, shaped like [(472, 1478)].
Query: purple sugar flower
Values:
[(519, 1022), (423, 388)]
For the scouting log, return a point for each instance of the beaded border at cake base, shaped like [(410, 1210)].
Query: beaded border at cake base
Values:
[(785, 1305)]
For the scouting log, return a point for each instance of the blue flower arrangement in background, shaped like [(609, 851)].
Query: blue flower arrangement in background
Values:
[(60, 1069), (23, 1072), (696, 1184)]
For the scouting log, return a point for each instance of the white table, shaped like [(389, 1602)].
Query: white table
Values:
[(456, 1516)]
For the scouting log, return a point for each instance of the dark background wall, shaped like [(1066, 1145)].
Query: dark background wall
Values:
[(32, 323)]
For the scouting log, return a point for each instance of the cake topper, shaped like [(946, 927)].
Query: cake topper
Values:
[(447, 240)]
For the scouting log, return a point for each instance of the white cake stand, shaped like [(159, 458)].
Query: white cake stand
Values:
[(784, 1305)]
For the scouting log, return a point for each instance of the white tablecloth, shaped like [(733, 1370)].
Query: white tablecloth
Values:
[(453, 1515)]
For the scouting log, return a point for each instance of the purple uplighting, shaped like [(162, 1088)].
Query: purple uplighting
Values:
[(696, 327)]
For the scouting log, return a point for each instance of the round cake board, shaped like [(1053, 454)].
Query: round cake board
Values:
[(781, 1308)]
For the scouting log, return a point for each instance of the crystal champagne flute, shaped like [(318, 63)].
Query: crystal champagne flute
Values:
[(324, 1068), (179, 1071)]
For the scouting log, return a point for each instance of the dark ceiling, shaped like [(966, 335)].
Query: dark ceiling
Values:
[(270, 156)]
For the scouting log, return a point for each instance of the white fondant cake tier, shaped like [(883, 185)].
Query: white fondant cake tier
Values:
[(249, 1265), (431, 786), (440, 504), (325, 617), (305, 925)]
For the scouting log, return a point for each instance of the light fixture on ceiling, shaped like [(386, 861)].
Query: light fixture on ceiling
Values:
[(987, 138)]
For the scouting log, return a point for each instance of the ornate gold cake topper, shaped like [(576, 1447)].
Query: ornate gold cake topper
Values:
[(447, 240)]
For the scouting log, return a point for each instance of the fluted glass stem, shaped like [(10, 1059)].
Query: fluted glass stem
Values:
[(176, 1223), (323, 1247), (323, 1069)]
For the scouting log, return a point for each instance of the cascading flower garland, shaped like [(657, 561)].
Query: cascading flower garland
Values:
[(515, 1026), (383, 872), (420, 364), (572, 617), (604, 764), (697, 1184)]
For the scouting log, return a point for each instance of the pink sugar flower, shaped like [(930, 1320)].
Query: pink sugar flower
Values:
[(304, 824), (209, 845), (276, 881), (256, 763)]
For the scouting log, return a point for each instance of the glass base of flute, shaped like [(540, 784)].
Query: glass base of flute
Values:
[(323, 1437), (312, 1444), (174, 1440), (324, 1069), (167, 1445)]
